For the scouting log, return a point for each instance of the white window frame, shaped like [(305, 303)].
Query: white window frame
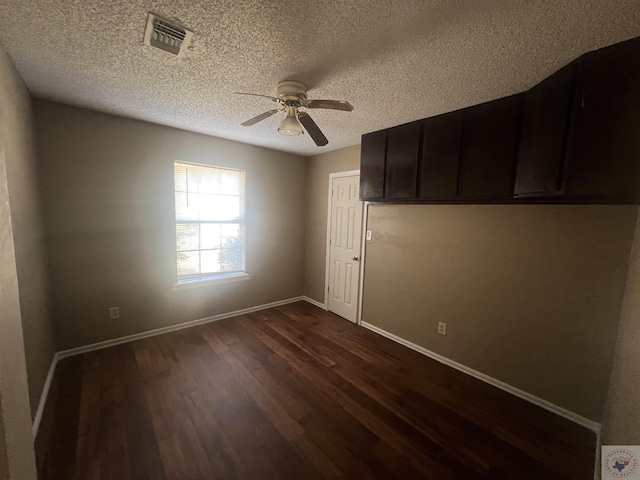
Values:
[(186, 282)]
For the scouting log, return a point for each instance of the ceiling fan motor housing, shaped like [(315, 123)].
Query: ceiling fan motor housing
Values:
[(291, 90)]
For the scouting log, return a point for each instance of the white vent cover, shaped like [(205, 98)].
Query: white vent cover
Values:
[(166, 35)]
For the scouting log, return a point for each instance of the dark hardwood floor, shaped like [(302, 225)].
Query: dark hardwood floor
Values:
[(292, 393)]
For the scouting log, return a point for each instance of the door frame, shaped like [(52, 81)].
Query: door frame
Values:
[(349, 173)]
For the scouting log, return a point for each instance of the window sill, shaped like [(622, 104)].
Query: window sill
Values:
[(210, 280)]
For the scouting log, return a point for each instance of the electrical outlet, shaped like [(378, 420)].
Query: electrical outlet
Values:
[(114, 312), (442, 328), (369, 235)]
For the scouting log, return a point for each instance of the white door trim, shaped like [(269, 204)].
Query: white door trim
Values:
[(349, 173), (363, 255)]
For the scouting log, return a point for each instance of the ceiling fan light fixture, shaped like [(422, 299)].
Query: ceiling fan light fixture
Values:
[(290, 124), (292, 95)]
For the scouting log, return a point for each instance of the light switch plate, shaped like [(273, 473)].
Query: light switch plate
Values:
[(369, 235)]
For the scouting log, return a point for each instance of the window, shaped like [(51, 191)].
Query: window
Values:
[(209, 204)]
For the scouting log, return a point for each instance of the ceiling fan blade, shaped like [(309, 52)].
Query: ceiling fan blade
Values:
[(312, 129), (330, 104), (275, 99), (259, 118)]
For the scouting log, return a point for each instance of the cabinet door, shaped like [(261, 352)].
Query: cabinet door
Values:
[(403, 146), (441, 137), (487, 158), (372, 157), (543, 133), (603, 156)]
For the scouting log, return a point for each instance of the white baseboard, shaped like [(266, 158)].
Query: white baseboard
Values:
[(574, 417), (130, 338), (44, 394), (315, 302), (172, 328)]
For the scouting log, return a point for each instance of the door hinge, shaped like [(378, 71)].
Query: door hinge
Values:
[(327, 288)]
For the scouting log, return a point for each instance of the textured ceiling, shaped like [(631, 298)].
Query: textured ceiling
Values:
[(395, 61)]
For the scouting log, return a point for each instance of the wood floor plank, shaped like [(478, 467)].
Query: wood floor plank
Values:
[(328, 381), (292, 392), (58, 433), (223, 458), (254, 435), (87, 455), (276, 383), (323, 464)]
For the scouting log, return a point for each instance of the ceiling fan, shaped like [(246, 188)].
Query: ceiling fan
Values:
[(292, 96)]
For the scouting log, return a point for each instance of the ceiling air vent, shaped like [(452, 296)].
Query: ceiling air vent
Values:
[(166, 36)]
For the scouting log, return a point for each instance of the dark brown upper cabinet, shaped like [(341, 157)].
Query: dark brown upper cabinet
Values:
[(603, 156), (573, 138), (541, 150), (440, 156), (489, 141), (372, 165), (403, 147)]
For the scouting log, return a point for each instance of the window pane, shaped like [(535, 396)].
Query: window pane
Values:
[(187, 237), (231, 257), (180, 177), (204, 179), (229, 231), (230, 183), (210, 261), (219, 207), (206, 198), (209, 235), (187, 206), (188, 263), (232, 247), (193, 179)]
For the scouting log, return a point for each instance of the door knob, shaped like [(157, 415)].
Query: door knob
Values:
[(355, 258)]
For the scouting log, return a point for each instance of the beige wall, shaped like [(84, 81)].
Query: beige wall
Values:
[(107, 185), (4, 461), (28, 234), (319, 168), (622, 420), (16, 447), (531, 294)]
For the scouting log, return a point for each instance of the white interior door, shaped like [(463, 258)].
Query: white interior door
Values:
[(344, 247)]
